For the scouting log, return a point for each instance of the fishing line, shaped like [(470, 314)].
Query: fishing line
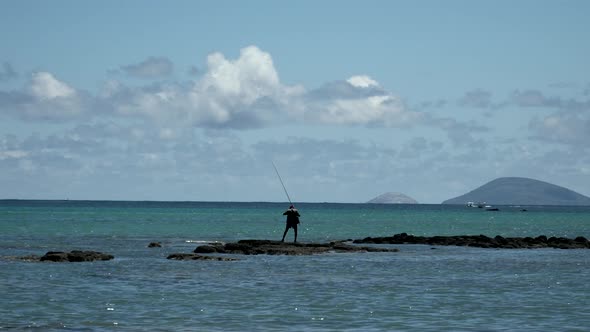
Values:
[(285, 189)]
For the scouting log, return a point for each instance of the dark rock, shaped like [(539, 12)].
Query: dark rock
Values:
[(529, 240), (541, 238), (209, 249), (270, 247), (238, 248), (75, 256), (483, 241), (195, 257), (28, 258), (499, 239), (155, 245)]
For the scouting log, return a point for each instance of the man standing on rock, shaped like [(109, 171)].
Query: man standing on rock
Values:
[(292, 221)]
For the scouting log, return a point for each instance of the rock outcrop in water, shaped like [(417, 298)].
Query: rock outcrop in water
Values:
[(269, 247), (75, 256), (196, 257), (483, 241)]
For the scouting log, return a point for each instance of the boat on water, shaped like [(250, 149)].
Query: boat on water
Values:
[(482, 205), (476, 204)]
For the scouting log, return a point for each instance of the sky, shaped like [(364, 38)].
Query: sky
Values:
[(195, 100)]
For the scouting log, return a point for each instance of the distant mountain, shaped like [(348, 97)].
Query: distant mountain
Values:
[(393, 198), (521, 191)]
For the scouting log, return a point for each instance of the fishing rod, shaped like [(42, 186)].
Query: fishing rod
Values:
[(285, 189)]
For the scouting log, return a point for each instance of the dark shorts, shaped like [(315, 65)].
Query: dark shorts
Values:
[(291, 224)]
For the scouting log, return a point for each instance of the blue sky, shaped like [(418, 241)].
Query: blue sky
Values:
[(192, 100)]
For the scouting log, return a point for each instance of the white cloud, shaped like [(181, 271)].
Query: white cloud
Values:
[(358, 101), (249, 77), (44, 86), (246, 92), (362, 81), (246, 89), (380, 110), (13, 154), (240, 93), (45, 98), (231, 93)]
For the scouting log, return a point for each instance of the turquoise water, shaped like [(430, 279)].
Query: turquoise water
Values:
[(419, 288)]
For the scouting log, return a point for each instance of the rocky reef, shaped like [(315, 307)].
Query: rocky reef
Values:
[(197, 257), (269, 247), (483, 241), (72, 256)]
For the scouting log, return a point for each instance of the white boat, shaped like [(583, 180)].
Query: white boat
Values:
[(476, 205)]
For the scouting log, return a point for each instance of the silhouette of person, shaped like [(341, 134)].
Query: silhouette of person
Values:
[(292, 221)]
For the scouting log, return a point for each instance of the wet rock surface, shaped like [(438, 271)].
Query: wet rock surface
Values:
[(74, 256), (483, 241), (269, 247), (197, 257)]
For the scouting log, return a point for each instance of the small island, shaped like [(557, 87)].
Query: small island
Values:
[(521, 191), (393, 198)]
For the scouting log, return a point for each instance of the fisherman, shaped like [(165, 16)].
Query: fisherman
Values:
[(292, 221)]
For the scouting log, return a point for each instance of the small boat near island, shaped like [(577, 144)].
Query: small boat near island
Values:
[(482, 205), (477, 204)]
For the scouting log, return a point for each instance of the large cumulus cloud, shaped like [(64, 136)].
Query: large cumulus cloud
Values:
[(241, 93), (245, 92)]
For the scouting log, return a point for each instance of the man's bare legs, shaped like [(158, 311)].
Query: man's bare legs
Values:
[(286, 230)]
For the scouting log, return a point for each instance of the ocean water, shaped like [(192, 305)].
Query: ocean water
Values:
[(419, 288)]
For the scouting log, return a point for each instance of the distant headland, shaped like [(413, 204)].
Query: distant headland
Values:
[(521, 191)]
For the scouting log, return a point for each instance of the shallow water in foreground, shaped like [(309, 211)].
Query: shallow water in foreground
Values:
[(419, 288)]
